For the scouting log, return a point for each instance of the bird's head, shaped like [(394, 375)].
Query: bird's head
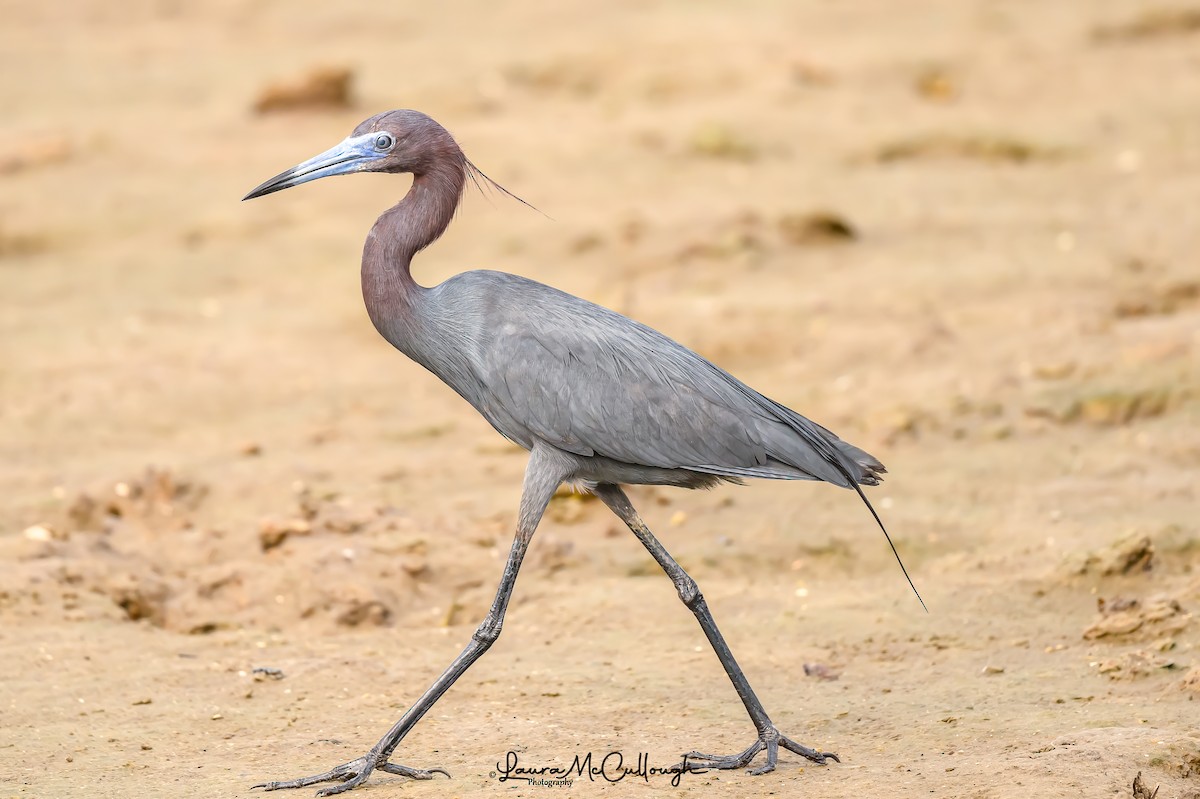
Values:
[(394, 141)]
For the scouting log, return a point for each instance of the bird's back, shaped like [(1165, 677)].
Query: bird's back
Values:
[(544, 365)]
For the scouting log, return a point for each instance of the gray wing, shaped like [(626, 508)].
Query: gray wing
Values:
[(593, 382)]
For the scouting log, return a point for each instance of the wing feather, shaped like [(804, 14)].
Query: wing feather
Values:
[(590, 381)]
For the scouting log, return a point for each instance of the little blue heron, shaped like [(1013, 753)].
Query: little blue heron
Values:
[(598, 400)]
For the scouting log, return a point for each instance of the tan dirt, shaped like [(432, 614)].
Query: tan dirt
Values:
[(963, 234)]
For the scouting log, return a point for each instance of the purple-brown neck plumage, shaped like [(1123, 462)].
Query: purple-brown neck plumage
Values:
[(404, 230)]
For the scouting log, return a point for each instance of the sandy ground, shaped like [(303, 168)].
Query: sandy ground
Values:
[(964, 235)]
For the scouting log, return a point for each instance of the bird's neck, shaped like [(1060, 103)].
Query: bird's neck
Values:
[(401, 232)]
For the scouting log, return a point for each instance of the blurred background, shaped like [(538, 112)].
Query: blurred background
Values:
[(962, 234)]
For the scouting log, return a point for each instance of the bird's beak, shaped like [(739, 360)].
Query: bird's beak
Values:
[(352, 155)]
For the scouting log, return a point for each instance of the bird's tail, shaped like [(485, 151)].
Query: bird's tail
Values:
[(870, 470), (821, 453)]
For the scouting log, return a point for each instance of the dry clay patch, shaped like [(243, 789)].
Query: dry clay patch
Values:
[(134, 551), (1135, 637), (1142, 637)]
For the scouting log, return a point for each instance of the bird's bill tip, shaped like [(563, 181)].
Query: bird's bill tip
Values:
[(277, 183)]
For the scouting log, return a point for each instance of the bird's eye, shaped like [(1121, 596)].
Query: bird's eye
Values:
[(384, 142)]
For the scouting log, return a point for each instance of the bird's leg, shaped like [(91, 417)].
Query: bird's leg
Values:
[(769, 737), (541, 480)]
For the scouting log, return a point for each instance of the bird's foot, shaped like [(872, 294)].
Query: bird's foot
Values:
[(770, 740), (352, 774)]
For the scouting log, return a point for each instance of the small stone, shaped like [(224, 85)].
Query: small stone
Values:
[(1132, 554), (821, 672), (41, 532), (1116, 624), (414, 566), (817, 227), (271, 535)]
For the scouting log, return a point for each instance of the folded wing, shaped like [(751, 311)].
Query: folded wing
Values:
[(605, 385)]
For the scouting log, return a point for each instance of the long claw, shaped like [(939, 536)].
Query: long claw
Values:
[(412, 773), (353, 782), (812, 754)]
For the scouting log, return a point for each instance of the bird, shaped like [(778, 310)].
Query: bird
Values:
[(600, 401)]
